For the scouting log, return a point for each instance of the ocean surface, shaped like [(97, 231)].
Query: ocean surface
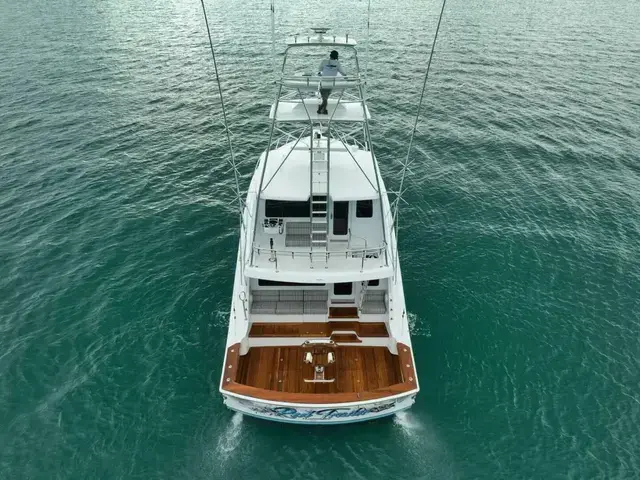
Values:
[(520, 238)]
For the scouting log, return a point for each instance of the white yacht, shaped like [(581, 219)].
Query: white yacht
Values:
[(318, 328)]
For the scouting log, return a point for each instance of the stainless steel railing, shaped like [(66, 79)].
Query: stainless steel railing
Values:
[(313, 82), (367, 254)]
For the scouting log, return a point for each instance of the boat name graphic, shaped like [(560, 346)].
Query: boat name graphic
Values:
[(321, 414)]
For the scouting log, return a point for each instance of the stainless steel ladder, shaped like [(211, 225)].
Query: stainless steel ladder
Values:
[(319, 198)]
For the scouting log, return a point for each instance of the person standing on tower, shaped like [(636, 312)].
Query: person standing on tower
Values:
[(329, 68)]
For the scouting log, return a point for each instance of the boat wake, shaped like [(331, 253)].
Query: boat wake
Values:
[(418, 327), (221, 317), (229, 440), (409, 424), (428, 453)]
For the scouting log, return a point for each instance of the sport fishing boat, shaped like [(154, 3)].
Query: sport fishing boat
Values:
[(318, 328)]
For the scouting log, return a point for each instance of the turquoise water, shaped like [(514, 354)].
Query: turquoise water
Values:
[(519, 244)]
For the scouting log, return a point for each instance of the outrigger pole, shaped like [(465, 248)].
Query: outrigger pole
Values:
[(407, 163), (366, 53), (273, 37), (232, 162)]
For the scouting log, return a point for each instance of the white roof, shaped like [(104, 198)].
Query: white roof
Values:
[(319, 274), (296, 111), (347, 180)]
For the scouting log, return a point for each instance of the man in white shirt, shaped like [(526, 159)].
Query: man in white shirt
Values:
[(329, 68)]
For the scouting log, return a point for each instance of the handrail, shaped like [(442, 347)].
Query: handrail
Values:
[(312, 81), (367, 250), (315, 40), (367, 253), (356, 236)]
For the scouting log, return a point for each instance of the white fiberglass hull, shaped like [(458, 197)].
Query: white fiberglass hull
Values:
[(320, 414), (326, 413)]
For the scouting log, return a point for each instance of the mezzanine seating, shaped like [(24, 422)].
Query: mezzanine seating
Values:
[(289, 302), (374, 302)]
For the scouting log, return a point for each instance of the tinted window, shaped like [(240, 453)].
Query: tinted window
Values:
[(283, 209), (342, 288), (364, 208), (374, 283)]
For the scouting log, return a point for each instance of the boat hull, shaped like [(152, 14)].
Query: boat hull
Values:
[(326, 414), (297, 404)]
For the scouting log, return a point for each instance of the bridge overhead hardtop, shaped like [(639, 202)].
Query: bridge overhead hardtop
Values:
[(321, 37)]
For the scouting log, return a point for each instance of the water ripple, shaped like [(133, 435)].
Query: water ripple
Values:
[(519, 242)]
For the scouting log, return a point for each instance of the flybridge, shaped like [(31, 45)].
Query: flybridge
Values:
[(324, 158)]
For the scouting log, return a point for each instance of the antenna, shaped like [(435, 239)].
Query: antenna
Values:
[(320, 31)]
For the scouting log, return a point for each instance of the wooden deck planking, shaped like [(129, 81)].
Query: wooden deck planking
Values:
[(370, 368), (293, 366), (280, 360), (377, 329), (317, 329), (359, 384), (357, 369), (274, 362), (345, 338), (343, 312), (394, 375), (383, 374), (406, 364)]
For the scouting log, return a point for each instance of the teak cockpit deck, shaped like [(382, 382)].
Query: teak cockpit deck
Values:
[(357, 373)]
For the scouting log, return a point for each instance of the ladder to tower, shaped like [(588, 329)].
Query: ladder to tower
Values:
[(319, 197)]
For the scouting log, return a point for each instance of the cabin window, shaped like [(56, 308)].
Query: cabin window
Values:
[(364, 208), (374, 283), (342, 288), (285, 209), (272, 283)]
